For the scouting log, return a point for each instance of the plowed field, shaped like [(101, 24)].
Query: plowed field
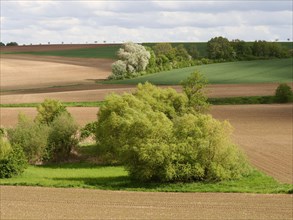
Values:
[(48, 203)]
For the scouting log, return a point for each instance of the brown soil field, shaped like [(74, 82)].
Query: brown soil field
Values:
[(51, 47), (18, 74), (264, 132), (53, 203)]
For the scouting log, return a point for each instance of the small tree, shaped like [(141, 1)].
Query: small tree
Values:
[(62, 138), (133, 58), (193, 88), (31, 137), (219, 48), (2, 44), (12, 159), (49, 110), (161, 140), (283, 93)]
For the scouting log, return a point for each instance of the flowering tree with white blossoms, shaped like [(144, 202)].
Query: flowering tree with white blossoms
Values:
[(133, 58)]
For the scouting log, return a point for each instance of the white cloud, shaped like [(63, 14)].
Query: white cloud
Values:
[(89, 21)]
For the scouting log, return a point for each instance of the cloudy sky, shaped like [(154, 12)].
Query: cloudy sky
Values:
[(67, 21)]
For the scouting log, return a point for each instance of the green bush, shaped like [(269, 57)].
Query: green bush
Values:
[(12, 159), (88, 130), (283, 93), (159, 140), (31, 137), (62, 138), (49, 110)]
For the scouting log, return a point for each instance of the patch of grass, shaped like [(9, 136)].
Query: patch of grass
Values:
[(84, 175), (66, 104), (256, 71), (214, 101), (242, 100), (108, 52)]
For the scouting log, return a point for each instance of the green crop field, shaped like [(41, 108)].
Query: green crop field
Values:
[(108, 52), (257, 71)]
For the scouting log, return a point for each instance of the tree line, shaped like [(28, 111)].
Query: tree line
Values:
[(135, 60)]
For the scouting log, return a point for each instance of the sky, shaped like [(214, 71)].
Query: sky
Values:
[(56, 21)]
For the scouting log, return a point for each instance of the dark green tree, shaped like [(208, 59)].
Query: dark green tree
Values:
[(219, 48)]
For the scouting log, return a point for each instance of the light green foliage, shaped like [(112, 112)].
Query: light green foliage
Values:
[(283, 93), (5, 148), (12, 159), (193, 88), (49, 110), (62, 138), (167, 101), (158, 137), (31, 137)]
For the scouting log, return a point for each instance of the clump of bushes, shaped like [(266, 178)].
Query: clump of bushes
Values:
[(160, 135), (62, 138), (31, 137), (50, 137), (283, 93), (12, 159)]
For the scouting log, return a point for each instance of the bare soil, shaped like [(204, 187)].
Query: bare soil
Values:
[(264, 132), (19, 74), (52, 203)]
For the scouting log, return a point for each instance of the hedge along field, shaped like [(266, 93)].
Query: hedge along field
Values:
[(108, 52), (257, 71)]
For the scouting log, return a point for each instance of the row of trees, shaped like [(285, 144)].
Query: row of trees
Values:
[(222, 48), (135, 59), (8, 44)]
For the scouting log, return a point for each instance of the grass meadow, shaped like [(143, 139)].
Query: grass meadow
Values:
[(84, 175)]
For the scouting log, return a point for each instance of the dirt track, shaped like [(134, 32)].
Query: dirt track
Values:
[(50, 203)]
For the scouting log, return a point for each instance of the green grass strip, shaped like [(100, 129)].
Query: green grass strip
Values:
[(66, 104), (214, 101), (83, 175)]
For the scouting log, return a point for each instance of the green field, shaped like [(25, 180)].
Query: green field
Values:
[(83, 175), (257, 71), (108, 52)]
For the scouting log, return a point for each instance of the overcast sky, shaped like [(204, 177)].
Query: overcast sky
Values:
[(67, 21)]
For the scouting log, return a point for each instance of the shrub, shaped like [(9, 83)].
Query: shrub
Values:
[(193, 88), (12, 159), (133, 58), (283, 93), (49, 110), (88, 130), (160, 139), (62, 138), (31, 137)]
